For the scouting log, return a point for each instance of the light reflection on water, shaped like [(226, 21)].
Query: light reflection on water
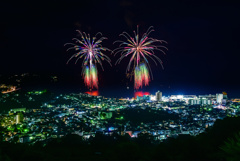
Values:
[(93, 93)]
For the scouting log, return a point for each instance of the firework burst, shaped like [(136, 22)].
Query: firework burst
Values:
[(91, 51), (139, 50)]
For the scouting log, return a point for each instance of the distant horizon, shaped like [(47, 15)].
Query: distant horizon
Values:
[(71, 84), (129, 93)]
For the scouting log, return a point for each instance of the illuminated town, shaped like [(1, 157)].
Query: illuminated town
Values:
[(86, 114)]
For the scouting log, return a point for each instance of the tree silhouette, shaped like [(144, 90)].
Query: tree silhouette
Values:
[(231, 148)]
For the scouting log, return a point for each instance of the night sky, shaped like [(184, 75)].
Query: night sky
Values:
[(203, 42)]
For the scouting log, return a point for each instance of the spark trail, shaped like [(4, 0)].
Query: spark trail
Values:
[(140, 50), (91, 51)]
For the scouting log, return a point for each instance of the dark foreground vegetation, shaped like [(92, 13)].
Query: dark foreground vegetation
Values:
[(220, 143)]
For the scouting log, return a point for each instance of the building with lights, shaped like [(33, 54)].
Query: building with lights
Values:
[(219, 98), (158, 96), (19, 118)]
